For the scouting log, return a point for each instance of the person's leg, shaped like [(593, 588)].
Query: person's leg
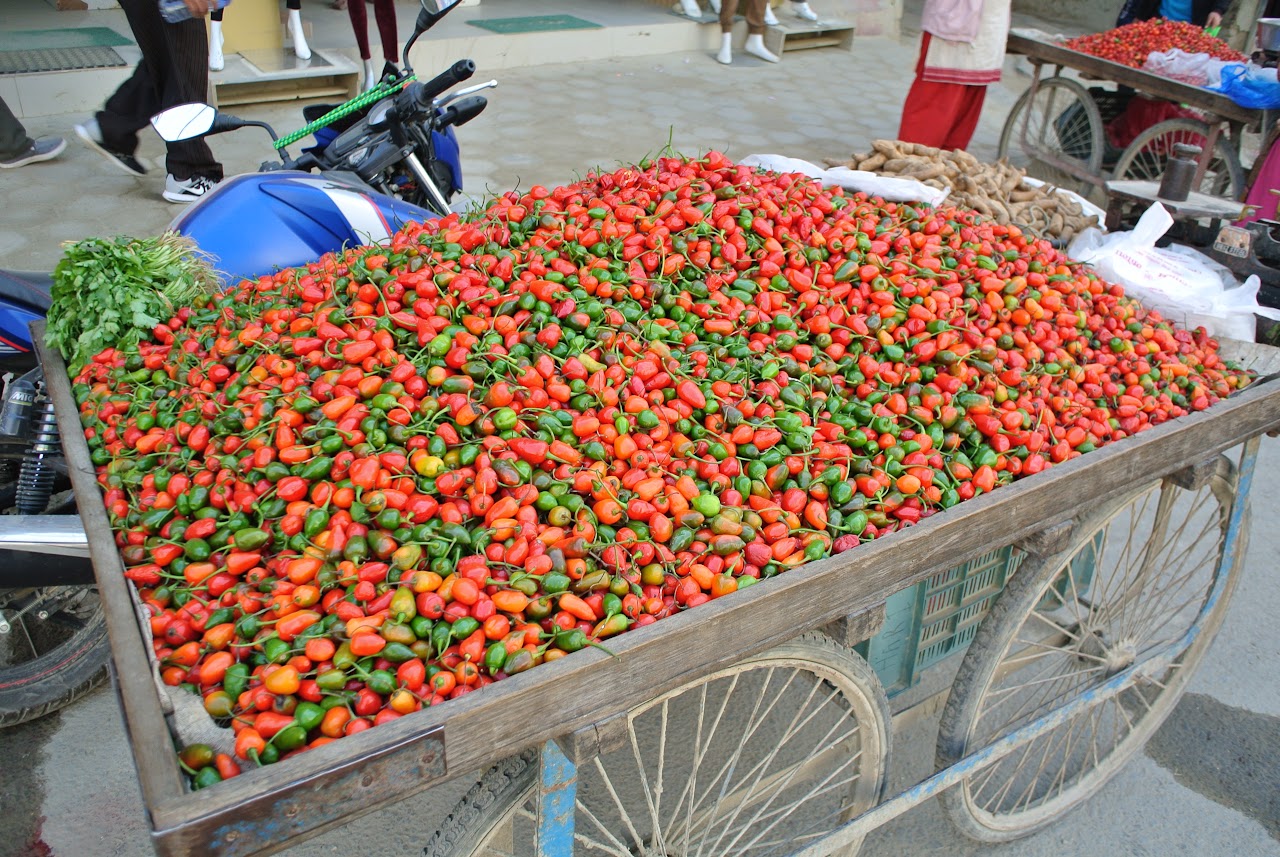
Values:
[(728, 8), (754, 13), (968, 109), (216, 61), (384, 12), (17, 149), (360, 25), (132, 105), (800, 8), (300, 47), (185, 79), (13, 137), (928, 112)]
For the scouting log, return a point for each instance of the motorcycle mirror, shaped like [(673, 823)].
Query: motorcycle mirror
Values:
[(437, 6), (184, 122)]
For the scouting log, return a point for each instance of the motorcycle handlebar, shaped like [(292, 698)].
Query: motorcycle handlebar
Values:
[(418, 98)]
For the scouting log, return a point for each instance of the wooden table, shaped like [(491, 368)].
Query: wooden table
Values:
[(1121, 195)]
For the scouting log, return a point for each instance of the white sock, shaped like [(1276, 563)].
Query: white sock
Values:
[(690, 8), (370, 75), (770, 19), (802, 10), (216, 61), (715, 6), (299, 39), (755, 47), (726, 49)]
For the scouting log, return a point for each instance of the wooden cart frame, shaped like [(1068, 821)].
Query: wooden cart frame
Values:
[(1030, 125), (266, 809)]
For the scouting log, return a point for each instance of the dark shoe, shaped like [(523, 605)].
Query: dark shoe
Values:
[(45, 149), (91, 134)]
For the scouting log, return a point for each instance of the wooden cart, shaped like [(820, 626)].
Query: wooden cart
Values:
[(1059, 123), (750, 724)]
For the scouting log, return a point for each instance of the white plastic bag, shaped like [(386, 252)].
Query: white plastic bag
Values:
[(1177, 64), (783, 164), (891, 189), (1184, 285)]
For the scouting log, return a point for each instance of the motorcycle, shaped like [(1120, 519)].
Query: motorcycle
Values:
[(393, 160)]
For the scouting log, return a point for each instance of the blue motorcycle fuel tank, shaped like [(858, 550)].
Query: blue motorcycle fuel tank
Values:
[(258, 223)]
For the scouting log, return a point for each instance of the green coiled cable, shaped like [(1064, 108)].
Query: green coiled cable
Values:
[(379, 92)]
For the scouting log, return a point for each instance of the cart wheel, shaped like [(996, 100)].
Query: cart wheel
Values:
[(1132, 582), (1062, 125), (1144, 159), (755, 759)]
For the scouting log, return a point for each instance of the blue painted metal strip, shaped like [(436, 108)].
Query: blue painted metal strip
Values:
[(557, 793)]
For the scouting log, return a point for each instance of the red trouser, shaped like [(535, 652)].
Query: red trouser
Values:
[(940, 114), (384, 11)]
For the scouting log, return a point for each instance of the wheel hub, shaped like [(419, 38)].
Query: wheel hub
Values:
[(1097, 648)]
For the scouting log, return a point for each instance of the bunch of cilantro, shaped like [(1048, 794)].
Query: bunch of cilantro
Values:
[(111, 293)]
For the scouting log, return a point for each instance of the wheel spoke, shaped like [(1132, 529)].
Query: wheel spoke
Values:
[(787, 777), (617, 802), (615, 848)]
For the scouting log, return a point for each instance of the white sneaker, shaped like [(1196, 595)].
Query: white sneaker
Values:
[(755, 47), (183, 192), (770, 19), (690, 9), (802, 10), (715, 6)]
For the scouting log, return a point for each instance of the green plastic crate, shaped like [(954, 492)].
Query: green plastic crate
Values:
[(936, 618)]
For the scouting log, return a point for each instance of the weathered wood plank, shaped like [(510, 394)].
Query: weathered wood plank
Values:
[(1144, 81), (591, 686), (153, 749)]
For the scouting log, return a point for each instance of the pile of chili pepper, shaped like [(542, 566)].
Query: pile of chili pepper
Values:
[(1131, 44), (387, 479)]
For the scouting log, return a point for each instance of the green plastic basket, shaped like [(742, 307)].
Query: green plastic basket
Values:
[(936, 618)]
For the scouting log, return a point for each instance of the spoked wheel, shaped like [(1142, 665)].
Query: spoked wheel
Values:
[(756, 759), (1061, 124), (1145, 158), (1135, 579)]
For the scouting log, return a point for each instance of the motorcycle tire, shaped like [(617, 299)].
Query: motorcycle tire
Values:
[(47, 663), (55, 678)]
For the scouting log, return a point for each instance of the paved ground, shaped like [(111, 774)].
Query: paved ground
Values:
[(1208, 783)]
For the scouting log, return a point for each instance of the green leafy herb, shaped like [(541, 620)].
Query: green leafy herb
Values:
[(111, 293)]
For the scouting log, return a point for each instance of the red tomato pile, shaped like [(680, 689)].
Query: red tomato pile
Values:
[(351, 490), (1131, 44)]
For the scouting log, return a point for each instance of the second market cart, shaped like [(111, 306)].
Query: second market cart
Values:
[(1059, 122)]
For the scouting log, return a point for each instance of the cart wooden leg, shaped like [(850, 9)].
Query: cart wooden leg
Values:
[(557, 791)]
